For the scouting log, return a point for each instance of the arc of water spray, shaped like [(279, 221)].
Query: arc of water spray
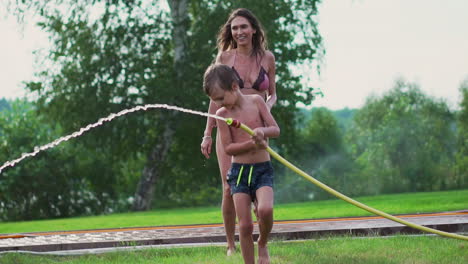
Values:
[(237, 124), (99, 123), (234, 123)]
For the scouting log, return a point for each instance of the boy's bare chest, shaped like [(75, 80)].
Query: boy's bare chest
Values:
[(250, 117)]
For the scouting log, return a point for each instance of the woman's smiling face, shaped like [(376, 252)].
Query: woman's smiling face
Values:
[(242, 30)]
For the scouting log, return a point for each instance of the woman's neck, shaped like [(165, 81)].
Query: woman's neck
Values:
[(245, 50)]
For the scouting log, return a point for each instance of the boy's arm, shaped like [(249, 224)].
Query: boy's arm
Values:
[(235, 149), (231, 148)]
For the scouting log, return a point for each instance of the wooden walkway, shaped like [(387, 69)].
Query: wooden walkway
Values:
[(455, 222)]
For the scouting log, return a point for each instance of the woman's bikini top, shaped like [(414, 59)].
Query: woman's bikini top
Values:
[(261, 84)]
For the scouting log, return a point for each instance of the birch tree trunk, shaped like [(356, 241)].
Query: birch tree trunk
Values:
[(152, 170), (181, 22)]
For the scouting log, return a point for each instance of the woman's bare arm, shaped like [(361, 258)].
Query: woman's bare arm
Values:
[(272, 97), (271, 128)]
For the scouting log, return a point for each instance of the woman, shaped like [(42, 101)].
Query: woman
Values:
[(242, 46)]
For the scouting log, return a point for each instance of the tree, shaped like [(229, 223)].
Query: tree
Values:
[(344, 117), (403, 141), (146, 186), (138, 52), (58, 183), (323, 153), (4, 104), (461, 180), (322, 136)]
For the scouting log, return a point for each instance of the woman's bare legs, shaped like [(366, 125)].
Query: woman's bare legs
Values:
[(227, 204)]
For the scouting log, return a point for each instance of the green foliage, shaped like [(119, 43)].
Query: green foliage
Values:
[(60, 182), (344, 117), (191, 180), (462, 139), (4, 104), (106, 66), (322, 154), (403, 141), (322, 135), (122, 56)]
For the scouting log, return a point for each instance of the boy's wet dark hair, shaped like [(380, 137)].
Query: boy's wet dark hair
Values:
[(221, 75)]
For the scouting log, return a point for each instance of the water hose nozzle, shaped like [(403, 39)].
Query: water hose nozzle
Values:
[(233, 122)]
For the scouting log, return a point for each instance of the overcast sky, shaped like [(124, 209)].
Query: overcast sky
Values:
[(16, 55), (369, 43)]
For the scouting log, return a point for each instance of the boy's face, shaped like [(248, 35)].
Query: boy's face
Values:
[(224, 98)]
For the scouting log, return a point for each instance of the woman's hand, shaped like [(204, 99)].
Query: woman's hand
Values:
[(206, 146)]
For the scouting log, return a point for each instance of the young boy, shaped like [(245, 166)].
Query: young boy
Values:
[(251, 174)]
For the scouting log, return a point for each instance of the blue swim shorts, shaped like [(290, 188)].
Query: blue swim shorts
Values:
[(248, 178)]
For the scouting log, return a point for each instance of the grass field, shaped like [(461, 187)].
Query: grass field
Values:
[(399, 249), (391, 250), (393, 204)]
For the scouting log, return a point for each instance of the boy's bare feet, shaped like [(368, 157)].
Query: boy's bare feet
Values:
[(263, 256)]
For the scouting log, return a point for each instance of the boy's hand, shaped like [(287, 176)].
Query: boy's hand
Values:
[(259, 138), (263, 144)]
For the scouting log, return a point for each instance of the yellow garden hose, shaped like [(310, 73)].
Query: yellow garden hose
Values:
[(237, 124)]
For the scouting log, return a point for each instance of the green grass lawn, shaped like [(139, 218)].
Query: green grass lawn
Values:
[(393, 204), (391, 250)]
